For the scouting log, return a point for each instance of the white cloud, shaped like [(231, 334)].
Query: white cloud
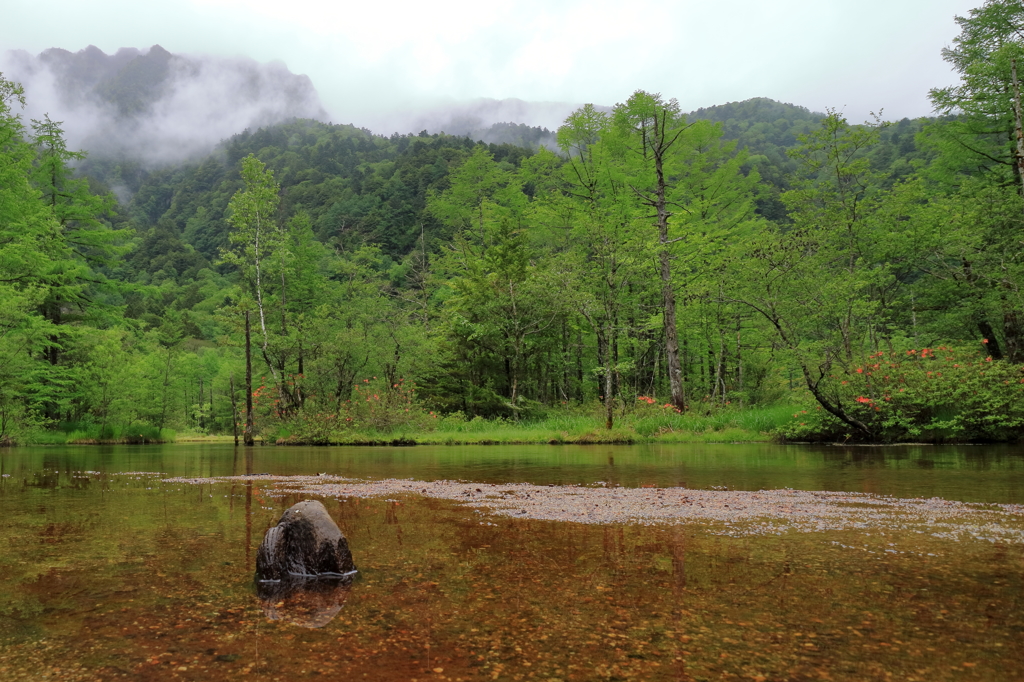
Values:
[(371, 60)]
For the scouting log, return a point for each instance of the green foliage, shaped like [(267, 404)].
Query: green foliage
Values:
[(89, 434), (712, 261), (979, 140), (934, 395), (499, 301), (375, 409)]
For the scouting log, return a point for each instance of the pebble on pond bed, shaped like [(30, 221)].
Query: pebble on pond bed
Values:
[(730, 512)]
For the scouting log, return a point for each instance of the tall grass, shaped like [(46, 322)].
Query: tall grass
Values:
[(587, 425), (584, 424), (758, 420), (87, 433)]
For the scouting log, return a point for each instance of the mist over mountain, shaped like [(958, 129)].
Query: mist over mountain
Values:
[(535, 124), (510, 120), (154, 106)]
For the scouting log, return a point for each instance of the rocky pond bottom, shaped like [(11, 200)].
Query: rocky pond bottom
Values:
[(141, 576)]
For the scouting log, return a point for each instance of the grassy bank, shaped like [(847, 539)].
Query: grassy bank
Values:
[(645, 426), (560, 427), (96, 434)]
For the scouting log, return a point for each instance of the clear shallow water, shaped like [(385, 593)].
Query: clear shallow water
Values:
[(965, 473), (105, 575)]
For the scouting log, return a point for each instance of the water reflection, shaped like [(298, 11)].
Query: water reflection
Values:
[(48, 479), (966, 473), (306, 602)]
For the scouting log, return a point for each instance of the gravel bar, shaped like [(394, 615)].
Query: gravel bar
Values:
[(727, 512)]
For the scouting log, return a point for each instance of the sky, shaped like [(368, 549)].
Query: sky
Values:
[(375, 62)]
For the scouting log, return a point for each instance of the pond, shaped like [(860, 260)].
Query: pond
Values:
[(113, 568)]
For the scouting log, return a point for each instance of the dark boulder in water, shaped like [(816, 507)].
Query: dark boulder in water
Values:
[(305, 543), (304, 568)]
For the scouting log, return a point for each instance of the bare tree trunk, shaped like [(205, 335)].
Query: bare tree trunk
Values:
[(1018, 123), (167, 382), (565, 388), (248, 435), (675, 370), (739, 358), (718, 394), (989, 334), (580, 390), (259, 305), (609, 388), (234, 408), (1012, 332)]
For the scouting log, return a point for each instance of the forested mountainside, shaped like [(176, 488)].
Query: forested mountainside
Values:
[(366, 188), (753, 253)]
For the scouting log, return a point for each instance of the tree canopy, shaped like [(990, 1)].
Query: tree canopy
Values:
[(753, 253)]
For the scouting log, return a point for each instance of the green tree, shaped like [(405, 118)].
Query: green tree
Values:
[(824, 284), (984, 135), (25, 227), (80, 246), (967, 245), (982, 150), (648, 132), (256, 235), (501, 299), (690, 185), (604, 247)]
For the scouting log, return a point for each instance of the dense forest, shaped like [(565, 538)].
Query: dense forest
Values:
[(308, 280)]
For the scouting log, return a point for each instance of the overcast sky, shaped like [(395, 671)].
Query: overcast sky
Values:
[(370, 58)]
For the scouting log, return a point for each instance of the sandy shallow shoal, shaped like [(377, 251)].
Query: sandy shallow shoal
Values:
[(730, 512)]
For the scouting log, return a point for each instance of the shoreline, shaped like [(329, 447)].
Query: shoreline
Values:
[(727, 512), (411, 442)]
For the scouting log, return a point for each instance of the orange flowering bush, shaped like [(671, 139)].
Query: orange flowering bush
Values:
[(930, 394), (647, 400), (374, 407)]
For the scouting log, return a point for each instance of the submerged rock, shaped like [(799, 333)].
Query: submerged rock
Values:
[(305, 543)]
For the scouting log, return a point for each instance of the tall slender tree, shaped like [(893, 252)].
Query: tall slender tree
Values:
[(691, 188), (983, 145), (607, 248), (254, 239)]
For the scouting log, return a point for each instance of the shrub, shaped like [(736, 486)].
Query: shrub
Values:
[(932, 394), (373, 408)]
